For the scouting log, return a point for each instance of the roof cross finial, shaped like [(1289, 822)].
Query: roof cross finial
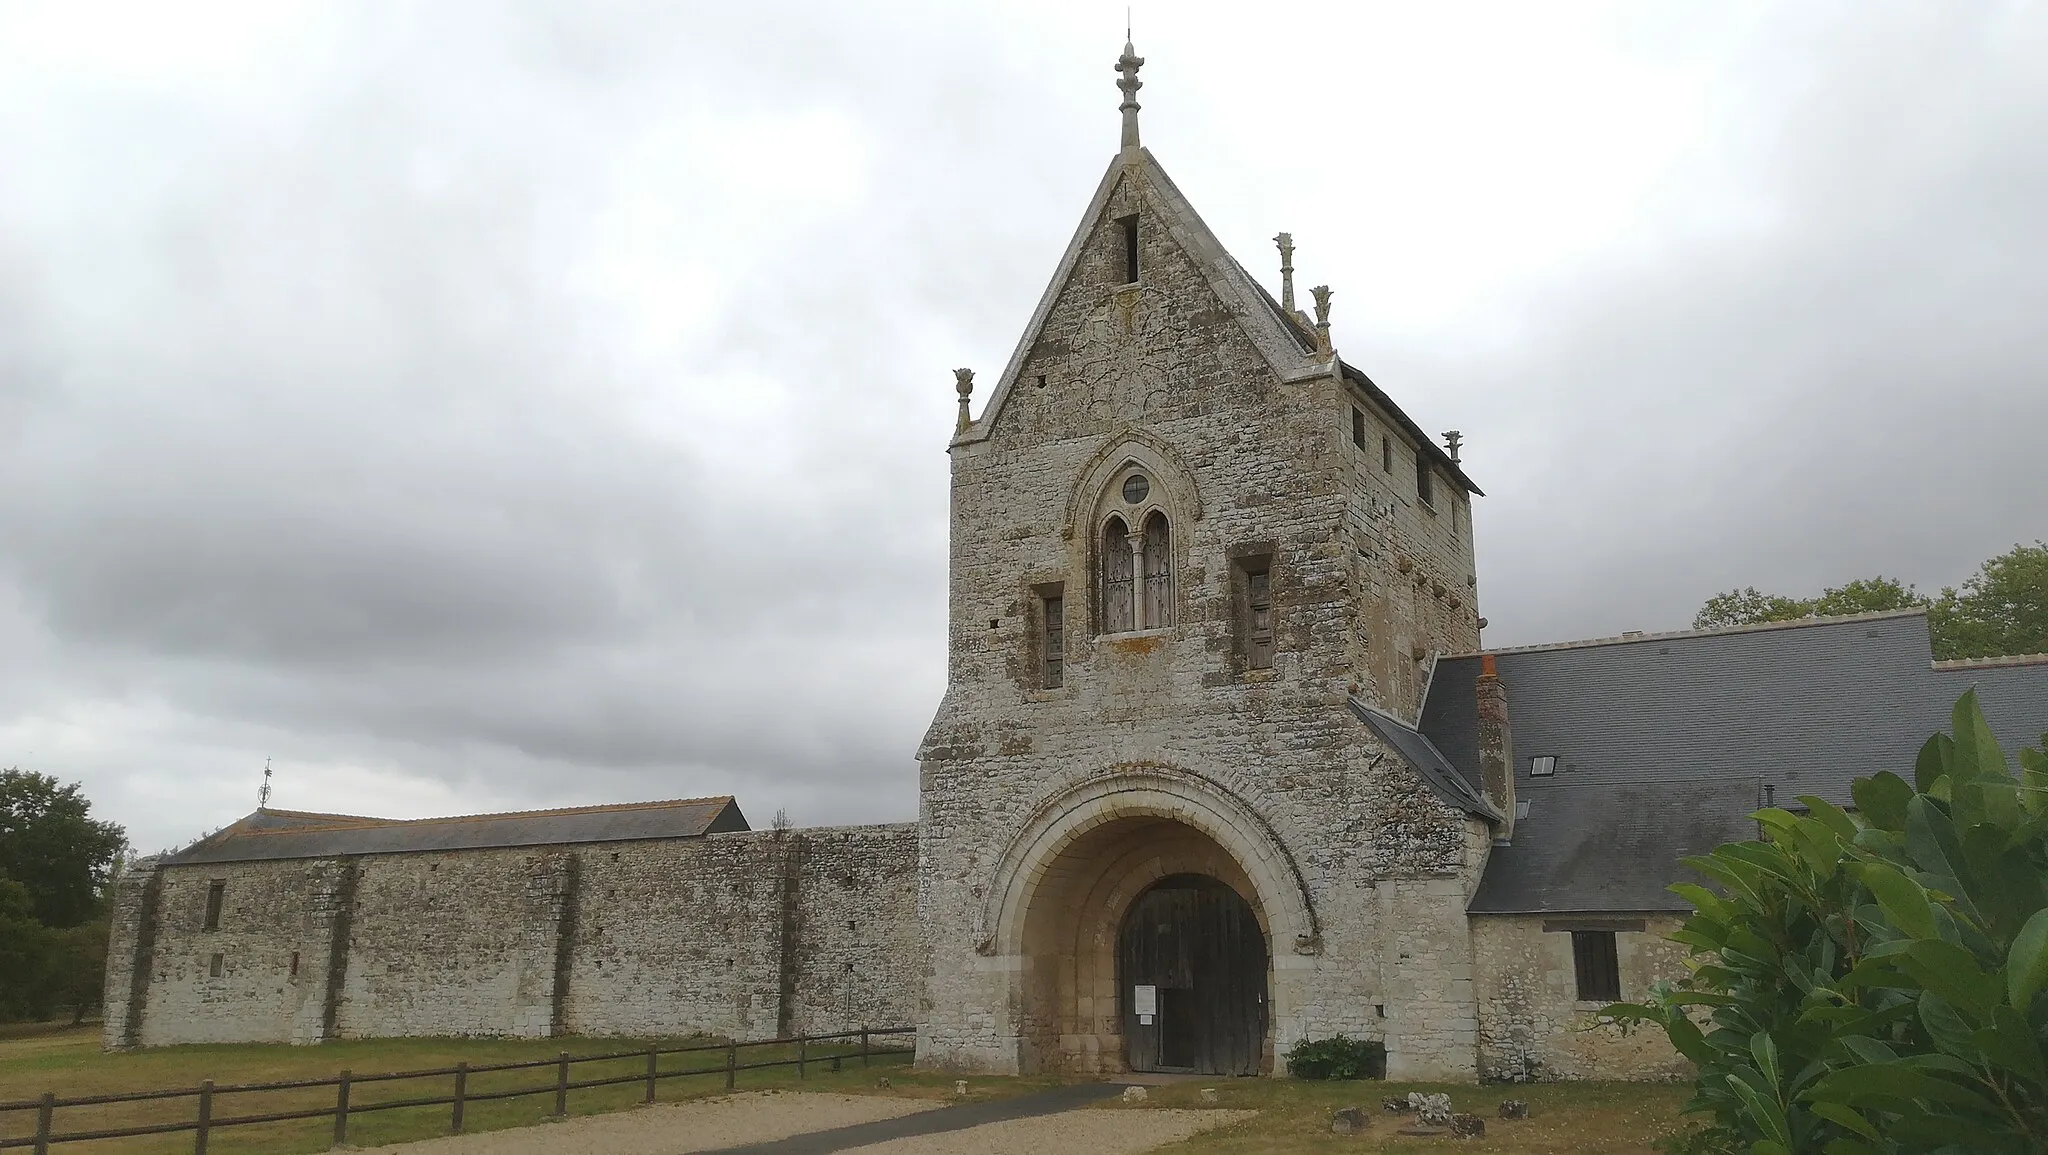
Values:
[(263, 792), (1128, 64)]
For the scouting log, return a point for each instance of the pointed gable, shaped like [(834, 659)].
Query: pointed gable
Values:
[(1136, 181)]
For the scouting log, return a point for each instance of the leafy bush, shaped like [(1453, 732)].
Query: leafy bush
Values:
[(1337, 1058), (1873, 984)]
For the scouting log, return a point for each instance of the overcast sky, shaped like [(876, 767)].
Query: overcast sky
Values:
[(513, 405)]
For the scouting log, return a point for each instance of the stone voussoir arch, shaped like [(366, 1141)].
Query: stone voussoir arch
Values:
[(1146, 790), (1133, 447)]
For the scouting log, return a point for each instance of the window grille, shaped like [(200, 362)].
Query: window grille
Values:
[(1054, 608), (1118, 603), (1597, 966), (216, 892), (1158, 574), (1259, 619)]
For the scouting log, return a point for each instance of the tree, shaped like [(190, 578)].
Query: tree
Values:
[(1747, 607), (1876, 983), (2001, 609), (51, 845), (25, 955), (1866, 596)]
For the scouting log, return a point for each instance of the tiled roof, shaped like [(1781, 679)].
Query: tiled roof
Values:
[(278, 834), (1666, 742)]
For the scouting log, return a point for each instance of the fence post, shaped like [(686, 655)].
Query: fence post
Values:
[(461, 1093), (341, 1110), (562, 1085), (45, 1113), (653, 1057), (863, 1046), (799, 1056), (732, 1058), (199, 1133)]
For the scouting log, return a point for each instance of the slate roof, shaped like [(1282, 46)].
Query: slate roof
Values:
[(280, 834), (1665, 742), (1443, 779)]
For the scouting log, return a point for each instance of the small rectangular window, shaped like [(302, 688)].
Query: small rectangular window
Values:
[(1358, 428), (216, 891), (295, 964), (1386, 455), (1053, 609), (1259, 619), (215, 965), (1130, 230), (1424, 489), (1596, 965), (1543, 766)]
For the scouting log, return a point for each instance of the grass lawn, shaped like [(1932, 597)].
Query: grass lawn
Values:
[(1294, 1116)]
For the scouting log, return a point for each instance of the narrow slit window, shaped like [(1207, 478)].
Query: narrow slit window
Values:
[(1424, 487), (1129, 225), (215, 965), (1358, 428), (1259, 618), (1386, 455), (1055, 611), (295, 964), (1597, 966), (216, 892)]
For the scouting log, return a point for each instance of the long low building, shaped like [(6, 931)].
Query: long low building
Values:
[(655, 918)]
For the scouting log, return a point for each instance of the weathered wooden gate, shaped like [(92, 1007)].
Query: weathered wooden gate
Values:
[(1191, 972)]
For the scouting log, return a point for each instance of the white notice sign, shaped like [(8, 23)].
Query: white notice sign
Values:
[(1145, 1001)]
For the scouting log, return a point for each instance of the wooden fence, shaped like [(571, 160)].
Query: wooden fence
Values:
[(204, 1121)]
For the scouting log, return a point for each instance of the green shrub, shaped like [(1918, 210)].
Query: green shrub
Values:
[(1337, 1058), (1876, 983)]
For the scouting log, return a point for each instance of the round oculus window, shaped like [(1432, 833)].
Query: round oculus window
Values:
[(1136, 487)]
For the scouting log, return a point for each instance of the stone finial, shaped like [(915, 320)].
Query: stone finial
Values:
[(1128, 64), (963, 382), (1452, 440), (1286, 243), (1322, 295)]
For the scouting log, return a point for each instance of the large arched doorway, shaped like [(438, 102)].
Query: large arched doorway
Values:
[(1191, 975), (1078, 1011)]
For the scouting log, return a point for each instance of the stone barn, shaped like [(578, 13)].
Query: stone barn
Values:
[(1221, 763)]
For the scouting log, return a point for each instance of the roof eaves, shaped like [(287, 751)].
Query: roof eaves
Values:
[(1668, 635), (1378, 396), (1442, 778)]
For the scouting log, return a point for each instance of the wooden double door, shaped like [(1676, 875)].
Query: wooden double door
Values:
[(1191, 967)]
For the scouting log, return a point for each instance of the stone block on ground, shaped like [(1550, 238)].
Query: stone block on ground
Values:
[(1435, 1110), (1398, 1104), (1467, 1126), (1134, 1094), (1514, 1108), (1349, 1120), (1208, 1094)]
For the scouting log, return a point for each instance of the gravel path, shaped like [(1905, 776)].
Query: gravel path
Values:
[(677, 1128), (1105, 1131)]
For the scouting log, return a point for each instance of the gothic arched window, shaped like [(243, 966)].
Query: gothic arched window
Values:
[(1119, 601), (1157, 608)]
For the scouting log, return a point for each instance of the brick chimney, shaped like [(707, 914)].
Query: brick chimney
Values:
[(1496, 746)]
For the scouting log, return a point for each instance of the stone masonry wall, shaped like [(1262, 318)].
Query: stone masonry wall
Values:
[(1250, 464), (1531, 1022), (683, 936)]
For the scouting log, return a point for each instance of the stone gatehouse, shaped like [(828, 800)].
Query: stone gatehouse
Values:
[(1221, 763)]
